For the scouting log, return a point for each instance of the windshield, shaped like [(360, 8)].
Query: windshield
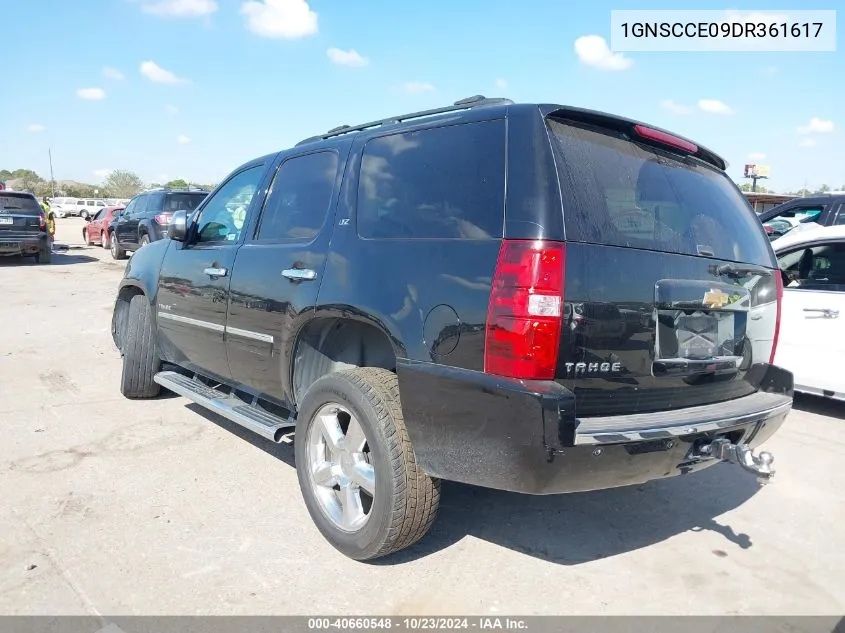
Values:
[(19, 203), (620, 193)]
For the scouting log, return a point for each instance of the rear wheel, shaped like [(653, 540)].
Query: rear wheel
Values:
[(140, 355), (116, 251), (44, 255), (84, 215), (86, 238), (104, 239), (145, 239), (356, 467)]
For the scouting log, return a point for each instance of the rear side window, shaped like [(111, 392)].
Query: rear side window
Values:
[(19, 204), (619, 193), (299, 198), (439, 183)]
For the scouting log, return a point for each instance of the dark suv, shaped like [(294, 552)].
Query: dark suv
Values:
[(23, 227), (408, 295), (146, 217)]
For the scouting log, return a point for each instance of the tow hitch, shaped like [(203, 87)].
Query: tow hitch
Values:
[(742, 454)]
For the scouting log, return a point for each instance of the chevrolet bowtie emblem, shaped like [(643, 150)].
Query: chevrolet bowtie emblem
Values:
[(715, 299)]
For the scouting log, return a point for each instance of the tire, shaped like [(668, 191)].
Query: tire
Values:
[(87, 241), (140, 355), (404, 500), (104, 239), (116, 251), (145, 239), (44, 255), (84, 215)]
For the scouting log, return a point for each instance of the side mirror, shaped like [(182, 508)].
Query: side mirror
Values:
[(178, 227)]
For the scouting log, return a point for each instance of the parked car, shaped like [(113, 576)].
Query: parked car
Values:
[(804, 213), (63, 207), (97, 230), (397, 297), (146, 217), (23, 227)]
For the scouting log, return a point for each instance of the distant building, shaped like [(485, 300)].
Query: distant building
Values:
[(764, 201)]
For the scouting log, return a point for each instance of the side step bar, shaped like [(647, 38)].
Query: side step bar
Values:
[(230, 407)]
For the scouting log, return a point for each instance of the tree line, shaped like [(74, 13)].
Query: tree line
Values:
[(120, 183), (800, 193)]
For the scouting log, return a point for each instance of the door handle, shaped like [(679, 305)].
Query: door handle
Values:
[(827, 313), (300, 274), (216, 272)]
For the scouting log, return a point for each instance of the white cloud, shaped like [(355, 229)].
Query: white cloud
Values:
[(756, 17), (171, 109), (91, 94), (182, 139), (501, 84), (593, 51), (35, 127), (417, 87), (757, 156), (285, 19), (156, 73), (714, 106), (102, 173), (674, 107), (817, 125), (112, 73), (346, 58), (180, 8), (808, 142)]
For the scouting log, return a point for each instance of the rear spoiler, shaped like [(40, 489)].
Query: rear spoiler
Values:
[(629, 127)]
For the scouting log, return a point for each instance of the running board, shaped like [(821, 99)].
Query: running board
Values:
[(230, 407)]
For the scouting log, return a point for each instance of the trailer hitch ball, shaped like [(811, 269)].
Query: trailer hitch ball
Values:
[(743, 455)]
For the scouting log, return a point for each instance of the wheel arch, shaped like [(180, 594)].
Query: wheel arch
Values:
[(127, 290), (331, 342)]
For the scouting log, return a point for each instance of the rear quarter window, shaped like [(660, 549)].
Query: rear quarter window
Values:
[(620, 193), (438, 183)]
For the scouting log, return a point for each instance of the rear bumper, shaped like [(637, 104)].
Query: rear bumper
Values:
[(22, 244), (525, 437)]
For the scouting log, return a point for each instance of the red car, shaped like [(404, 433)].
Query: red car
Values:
[(95, 232)]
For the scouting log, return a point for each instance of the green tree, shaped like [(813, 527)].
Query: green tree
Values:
[(823, 189), (26, 179), (5, 175), (123, 184), (177, 184)]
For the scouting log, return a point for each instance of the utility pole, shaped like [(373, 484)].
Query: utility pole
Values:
[(52, 180)]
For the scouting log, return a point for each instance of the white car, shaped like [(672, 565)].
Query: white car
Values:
[(63, 207), (811, 342), (88, 207)]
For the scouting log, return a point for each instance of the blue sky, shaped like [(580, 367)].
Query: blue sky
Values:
[(192, 88)]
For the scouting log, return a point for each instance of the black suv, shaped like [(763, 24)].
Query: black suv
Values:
[(407, 294), (23, 227), (146, 217), (824, 210)]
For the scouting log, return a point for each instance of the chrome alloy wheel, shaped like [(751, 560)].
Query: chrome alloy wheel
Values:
[(339, 467)]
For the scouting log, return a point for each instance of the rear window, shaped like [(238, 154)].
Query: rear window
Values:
[(182, 201), (20, 204), (619, 193)]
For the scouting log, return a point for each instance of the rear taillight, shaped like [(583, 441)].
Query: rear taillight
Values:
[(665, 139), (779, 282), (163, 218), (525, 311), (42, 222)]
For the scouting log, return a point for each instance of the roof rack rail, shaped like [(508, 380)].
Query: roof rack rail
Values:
[(475, 101)]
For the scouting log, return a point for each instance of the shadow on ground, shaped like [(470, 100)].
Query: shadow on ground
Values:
[(819, 406), (58, 259), (574, 528)]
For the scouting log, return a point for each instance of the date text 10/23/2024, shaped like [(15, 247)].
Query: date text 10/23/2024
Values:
[(421, 623)]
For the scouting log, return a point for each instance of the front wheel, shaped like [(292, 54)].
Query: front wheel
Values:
[(116, 251), (141, 361), (356, 467), (84, 215)]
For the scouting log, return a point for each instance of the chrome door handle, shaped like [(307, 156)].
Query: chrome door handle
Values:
[(300, 274), (216, 272), (827, 313)]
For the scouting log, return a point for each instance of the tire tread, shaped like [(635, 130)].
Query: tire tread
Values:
[(141, 361)]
